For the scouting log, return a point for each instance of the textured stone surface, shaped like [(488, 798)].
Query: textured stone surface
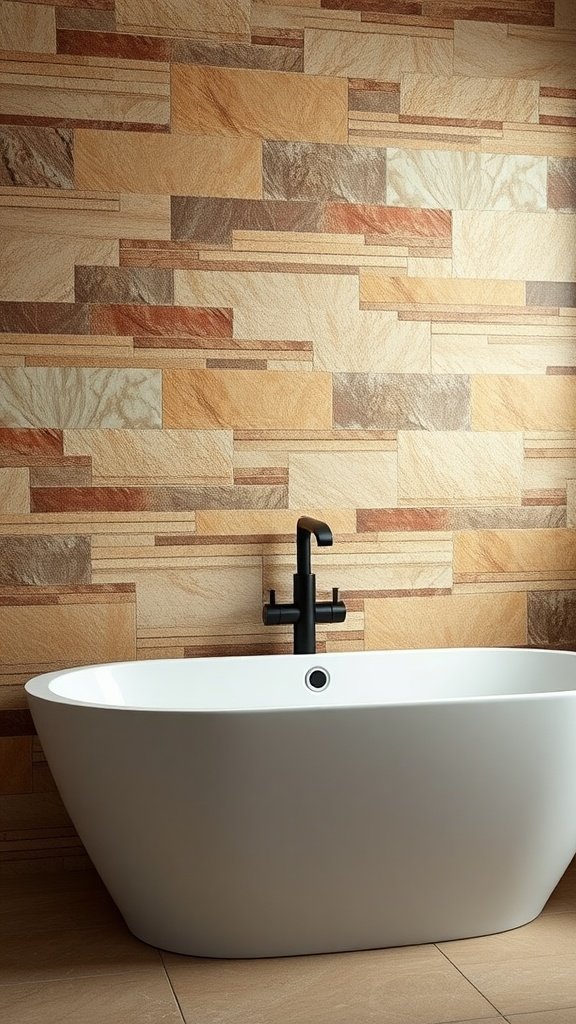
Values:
[(214, 220), (41, 560), (401, 401), (552, 618), (302, 170), (36, 156)]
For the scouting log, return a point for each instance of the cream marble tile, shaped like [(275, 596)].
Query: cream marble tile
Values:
[(374, 55), (367, 480), (487, 49), (367, 988), (163, 456), (258, 104), (176, 164), (14, 490), (322, 308), (439, 468), (486, 353), (465, 181), (29, 27), (505, 245), (41, 268), (490, 99), (526, 985), (226, 19)]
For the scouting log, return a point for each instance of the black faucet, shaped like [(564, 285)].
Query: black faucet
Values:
[(305, 611)]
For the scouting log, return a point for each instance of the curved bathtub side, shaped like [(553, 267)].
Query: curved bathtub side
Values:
[(269, 834)]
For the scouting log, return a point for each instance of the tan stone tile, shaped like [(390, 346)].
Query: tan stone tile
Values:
[(467, 620), (67, 634), (551, 935), (510, 245), (493, 99), (227, 19), (452, 468), (247, 398), (14, 490), (566, 1016), (258, 104), (526, 985), (287, 307), (482, 353), (523, 402), (366, 987), (374, 55), (509, 551), (15, 764), (486, 49), (179, 164), (29, 27), (145, 997), (162, 456), (399, 291), (41, 268), (465, 181), (367, 480), (113, 217), (271, 521), (571, 502)]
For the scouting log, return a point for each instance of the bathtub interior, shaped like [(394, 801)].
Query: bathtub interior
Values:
[(276, 682)]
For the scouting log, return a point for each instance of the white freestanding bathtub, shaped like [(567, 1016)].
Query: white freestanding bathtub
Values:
[(232, 811)]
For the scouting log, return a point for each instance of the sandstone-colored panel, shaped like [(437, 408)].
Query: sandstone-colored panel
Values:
[(108, 216), (247, 398), (524, 402), (512, 246), (463, 620), (465, 180), (33, 560), (487, 50), (489, 99), (178, 164), (216, 522), (552, 472), (258, 104), (15, 765), (512, 353), (27, 27), (14, 490), (77, 397), (227, 19), (514, 551), (367, 480), (400, 291), (157, 456), (361, 574), (41, 267), (374, 55), (452, 468), (66, 634), (298, 307)]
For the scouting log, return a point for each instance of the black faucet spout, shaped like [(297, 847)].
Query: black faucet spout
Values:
[(305, 527)]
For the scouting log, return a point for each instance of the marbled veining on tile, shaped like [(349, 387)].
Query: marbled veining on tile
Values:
[(109, 285), (562, 184), (238, 55), (36, 156), (302, 170), (37, 561), (52, 397), (213, 220), (401, 401)]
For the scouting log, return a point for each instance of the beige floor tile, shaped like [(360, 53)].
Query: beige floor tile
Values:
[(122, 999), (550, 935), (566, 1016), (526, 985), (404, 986)]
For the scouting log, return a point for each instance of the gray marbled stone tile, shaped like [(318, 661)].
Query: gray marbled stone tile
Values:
[(36, 157), (552, 618), (213, 220), (402, 401), (238, 55), (151, 285), (316, 171), (43, 561)]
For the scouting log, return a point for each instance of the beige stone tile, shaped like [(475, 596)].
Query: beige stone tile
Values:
[(66, 634), (505, 245), (523, 402), (487, 49), (14, 490), (399, 291), (368, 480), (549, 473), (125, 216), (145, 997), (483, 353), (247, 398), (292, 307), (551, 935), (571, 502), (465, 181), (566, 1016), (227, 19), (166, 456), (270, 521), (513, 551), (258, 104), (41, 268), (29, 27), (526, 985), (493, 99), (466, 620), (452, 468), (366, 987), (374, 55), (177, 164)]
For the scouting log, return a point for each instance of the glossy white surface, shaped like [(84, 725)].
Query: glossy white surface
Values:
[(232, 812)]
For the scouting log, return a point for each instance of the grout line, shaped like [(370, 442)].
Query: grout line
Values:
[(469, 982), (172, 989), (526, 1013)]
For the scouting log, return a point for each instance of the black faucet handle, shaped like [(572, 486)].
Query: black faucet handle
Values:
[(335, 595), (272, 600)]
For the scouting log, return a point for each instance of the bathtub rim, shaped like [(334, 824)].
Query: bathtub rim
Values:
[(39, 686)]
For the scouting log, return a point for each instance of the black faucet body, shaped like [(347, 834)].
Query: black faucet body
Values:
[(305, 611)]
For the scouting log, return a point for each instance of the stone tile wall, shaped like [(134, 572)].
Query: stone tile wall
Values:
[(266, 258)]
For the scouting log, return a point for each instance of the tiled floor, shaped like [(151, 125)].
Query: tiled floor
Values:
[(66, 957)]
